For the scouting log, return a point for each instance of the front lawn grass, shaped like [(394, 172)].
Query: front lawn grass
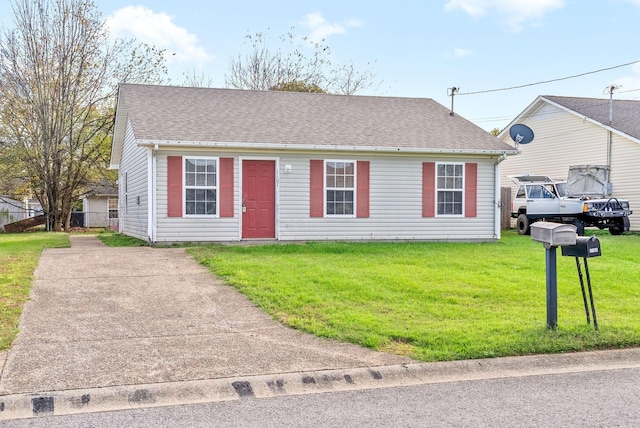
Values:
[(19, 255), (115, 239), (438, 301)]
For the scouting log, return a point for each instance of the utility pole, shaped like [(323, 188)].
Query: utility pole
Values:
[(451, 92)]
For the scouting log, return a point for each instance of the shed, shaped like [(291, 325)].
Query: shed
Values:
[(217, 165), (100, 206)]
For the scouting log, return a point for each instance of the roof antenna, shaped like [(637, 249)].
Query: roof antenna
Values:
[(610, 89), (451, 92)]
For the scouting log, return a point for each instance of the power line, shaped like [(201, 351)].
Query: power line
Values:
[(549, 81)]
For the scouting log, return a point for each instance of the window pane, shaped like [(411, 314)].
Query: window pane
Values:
[(189, 179), (200, 186), (449, 202), (450, 176)]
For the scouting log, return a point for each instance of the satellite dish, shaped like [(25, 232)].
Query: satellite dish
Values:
[(521, 134)]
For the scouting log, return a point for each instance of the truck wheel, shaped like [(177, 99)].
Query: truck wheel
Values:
[(522, 225), (579, 227), (616, 227)]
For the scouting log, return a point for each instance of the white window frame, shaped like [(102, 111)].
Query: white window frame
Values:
[(112, 209), (215, 187), (446, 189), (334, 188)]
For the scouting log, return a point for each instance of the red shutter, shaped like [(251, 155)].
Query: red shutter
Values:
[(470, 189), (428, 189), (362, 196), (316, 195), (226, 187), (174, 186)]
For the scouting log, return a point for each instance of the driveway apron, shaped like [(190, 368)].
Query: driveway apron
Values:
[(100, 316)]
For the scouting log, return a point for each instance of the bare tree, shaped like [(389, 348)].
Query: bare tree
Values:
[(197, 81), (58, 74), (298, 63)]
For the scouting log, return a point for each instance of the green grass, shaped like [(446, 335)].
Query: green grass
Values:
[(438, 301), (19, 255), (114, 239)]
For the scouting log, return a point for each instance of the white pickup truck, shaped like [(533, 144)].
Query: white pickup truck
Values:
[(583, 200)]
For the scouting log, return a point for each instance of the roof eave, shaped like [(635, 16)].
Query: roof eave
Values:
[(119, 126), (306, 147)]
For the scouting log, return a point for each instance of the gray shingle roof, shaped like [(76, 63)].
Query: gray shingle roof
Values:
[(626, 113), (181, 114)]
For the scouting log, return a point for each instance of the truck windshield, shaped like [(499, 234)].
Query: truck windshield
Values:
[(562, 189)]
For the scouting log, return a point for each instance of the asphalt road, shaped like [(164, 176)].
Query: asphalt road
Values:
[(607, 398)]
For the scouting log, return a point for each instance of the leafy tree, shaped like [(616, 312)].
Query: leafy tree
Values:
[(296, 86), (495, 132), (58, 80), (297, 64)]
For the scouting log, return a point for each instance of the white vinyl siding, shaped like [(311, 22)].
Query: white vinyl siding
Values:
[(560, 140), (133, 196), (395, 203), (625, 175), (194, 228)]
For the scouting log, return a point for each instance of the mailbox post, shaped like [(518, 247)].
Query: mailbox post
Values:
[(585, 247), (552, 235)]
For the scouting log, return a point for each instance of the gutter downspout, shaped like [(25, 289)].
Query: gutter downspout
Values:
[(498, 203), (151, 192)]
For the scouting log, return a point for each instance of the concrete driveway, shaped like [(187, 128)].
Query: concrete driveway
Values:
[(102, 317)]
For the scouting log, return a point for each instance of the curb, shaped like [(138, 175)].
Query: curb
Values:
[(54, 403)]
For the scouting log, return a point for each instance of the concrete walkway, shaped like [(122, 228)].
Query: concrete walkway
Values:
[(112, 328)]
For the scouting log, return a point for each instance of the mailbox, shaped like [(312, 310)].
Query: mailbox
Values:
[(584, 247), (553, 234)]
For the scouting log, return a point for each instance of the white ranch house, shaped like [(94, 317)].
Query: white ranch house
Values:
[(581, 131), (219, 165)]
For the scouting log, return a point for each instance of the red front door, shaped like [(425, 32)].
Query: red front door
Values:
[(258, 199)]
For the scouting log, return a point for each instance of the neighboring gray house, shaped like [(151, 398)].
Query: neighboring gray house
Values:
[(200, 164), (581, 131), (100, 206), (10, 211)]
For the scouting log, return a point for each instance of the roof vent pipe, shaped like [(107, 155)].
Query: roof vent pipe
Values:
[(610, 89)]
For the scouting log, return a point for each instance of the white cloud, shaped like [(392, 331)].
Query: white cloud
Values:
[(321, 29), (159, 30), (461, 53), (516, 12)]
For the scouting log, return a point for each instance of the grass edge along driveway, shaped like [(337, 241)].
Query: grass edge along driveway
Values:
[(438, 301), (19, 256)]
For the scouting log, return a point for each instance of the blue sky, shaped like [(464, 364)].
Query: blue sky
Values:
[(416, 48)]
